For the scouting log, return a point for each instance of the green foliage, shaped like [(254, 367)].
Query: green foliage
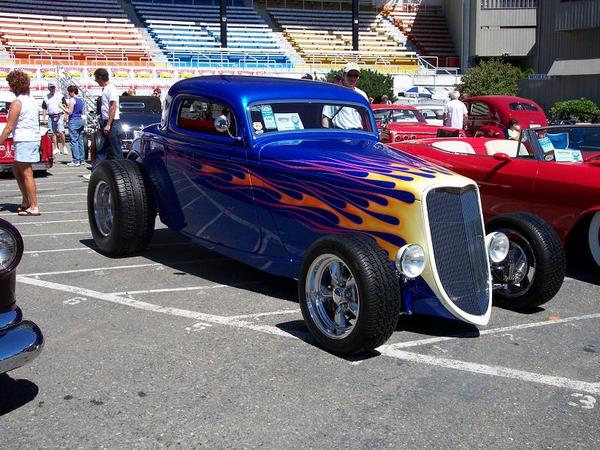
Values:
[(375, 84), (583, 109), (492, 77)]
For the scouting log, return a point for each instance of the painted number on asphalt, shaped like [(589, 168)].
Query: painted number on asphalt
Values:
[(74, 301), (199, 326), (583, 401)]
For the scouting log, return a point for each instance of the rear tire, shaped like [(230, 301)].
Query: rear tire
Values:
[(121, 211), (349, 294), (535, 267), (593, 240)]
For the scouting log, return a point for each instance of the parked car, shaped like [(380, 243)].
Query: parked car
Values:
[(552, 173), (21, 341), (489, 114), (433, 112), (399, 123), (7, 153), (135, 113), (246, 167)]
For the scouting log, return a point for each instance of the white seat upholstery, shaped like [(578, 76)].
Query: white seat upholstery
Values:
[(507, 146), (454, 146)]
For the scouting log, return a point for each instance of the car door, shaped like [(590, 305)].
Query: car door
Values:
[(210, 177)]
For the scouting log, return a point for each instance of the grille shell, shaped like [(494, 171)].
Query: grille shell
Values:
[(458, 244)]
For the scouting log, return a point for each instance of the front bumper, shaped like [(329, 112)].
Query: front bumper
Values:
[(21, 341), (42, 165)]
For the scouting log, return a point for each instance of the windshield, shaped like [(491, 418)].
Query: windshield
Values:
[(570, 144), (399, 115), (308, 115)]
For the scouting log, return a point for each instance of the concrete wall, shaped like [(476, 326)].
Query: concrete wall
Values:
[(501, 31)]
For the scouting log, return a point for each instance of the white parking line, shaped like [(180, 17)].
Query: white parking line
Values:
[(49, 221), (221, 320), (54, 234), (496, 371), (387, 350), (80, 194), (272, 313), (490, 331), (47, 212), (190, 288)]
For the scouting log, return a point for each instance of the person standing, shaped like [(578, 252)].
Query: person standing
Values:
[(23, 122), (455, 112), (74, 109), (110, 143), (54, 114), (345, 118)]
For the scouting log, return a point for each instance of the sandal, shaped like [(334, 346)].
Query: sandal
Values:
[(22, 208), (27, 212)]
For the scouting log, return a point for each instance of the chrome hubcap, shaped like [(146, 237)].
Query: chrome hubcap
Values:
[(103, 212), (514, 276), (332, 296)]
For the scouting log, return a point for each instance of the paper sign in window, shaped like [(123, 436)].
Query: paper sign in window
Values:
[(288, 121)]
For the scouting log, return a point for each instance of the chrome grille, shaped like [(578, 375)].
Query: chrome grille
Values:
[(459, 246)]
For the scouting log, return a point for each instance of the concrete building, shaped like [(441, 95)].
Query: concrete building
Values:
[(567, 54)]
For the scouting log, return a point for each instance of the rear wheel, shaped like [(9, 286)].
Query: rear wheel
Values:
[(349, 294), (594, 238), (121, 211), (535, 267)]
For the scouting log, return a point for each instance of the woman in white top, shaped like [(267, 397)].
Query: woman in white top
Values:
[(23, 122)]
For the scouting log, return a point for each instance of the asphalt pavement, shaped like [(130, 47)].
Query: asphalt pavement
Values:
[(179, 347)]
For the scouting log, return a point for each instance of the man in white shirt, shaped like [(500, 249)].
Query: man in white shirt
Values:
[(455, 112), (109, 146), (347, 118), (53, 113)]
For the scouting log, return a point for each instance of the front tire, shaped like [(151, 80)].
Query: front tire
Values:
[(349, 294), (534, 270), (594, 239), (121, 212)]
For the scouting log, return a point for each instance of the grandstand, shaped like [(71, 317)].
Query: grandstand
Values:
[(278, 35), (87, 31)]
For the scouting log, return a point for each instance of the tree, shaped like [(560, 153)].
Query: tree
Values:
[(582, 109), (375, 84), (493, 77)]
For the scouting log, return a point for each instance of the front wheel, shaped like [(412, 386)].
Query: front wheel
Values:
[(349, 294), (121, 211), (534, 270), (594, 238)]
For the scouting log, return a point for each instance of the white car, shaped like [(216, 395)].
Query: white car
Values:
[(433, 113)]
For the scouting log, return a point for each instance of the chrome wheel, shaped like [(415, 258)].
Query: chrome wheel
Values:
[(103, 209), (513, 276), (332, 296), (594, 238)]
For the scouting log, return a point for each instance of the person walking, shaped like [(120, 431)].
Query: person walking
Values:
[(455, 112), (74, 109), (109, 145), (23, 122), (345, 117), (54, 114)]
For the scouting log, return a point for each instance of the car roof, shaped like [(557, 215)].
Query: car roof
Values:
[(243, 90), (500, 99)]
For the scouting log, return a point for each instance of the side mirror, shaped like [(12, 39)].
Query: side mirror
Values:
[(222, 124), (502, 156)]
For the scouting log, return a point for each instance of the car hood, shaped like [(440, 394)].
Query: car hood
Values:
[(357, 162)]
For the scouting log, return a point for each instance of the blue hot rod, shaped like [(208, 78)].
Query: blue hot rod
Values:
[(289, 176)]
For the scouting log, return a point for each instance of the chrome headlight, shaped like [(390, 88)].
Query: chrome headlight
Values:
[(410, 260), (498, 245), (11, 247), (125, 127), (137, 134)]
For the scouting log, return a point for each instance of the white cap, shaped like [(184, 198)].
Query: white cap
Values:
[(350, 67)]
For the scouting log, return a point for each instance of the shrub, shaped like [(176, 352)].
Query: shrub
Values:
[(583, 109), (492, 77)]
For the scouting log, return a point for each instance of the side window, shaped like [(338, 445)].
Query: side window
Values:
[(199, 114), (479, 110)]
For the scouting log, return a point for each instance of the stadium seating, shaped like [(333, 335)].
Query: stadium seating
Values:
[(67, 32), (189, 35), (427, 30), (325, 36)]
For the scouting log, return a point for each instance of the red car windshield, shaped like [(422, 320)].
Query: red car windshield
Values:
[(399, 115), (570, 144)]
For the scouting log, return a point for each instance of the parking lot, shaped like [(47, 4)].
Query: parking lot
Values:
[(179, 346)]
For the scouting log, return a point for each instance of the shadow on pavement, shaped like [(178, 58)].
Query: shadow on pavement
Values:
[(15, 393)]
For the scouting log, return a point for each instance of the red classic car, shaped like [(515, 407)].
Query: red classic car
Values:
[(552, 173), (489, 114), (399, 123), (7, 154)]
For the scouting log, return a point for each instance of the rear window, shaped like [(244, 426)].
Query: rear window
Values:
[(520, 106)]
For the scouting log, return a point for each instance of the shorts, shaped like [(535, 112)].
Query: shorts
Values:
[(56, 123), (27, 151)]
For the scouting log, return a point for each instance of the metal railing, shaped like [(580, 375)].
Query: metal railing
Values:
[(508, 4)]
